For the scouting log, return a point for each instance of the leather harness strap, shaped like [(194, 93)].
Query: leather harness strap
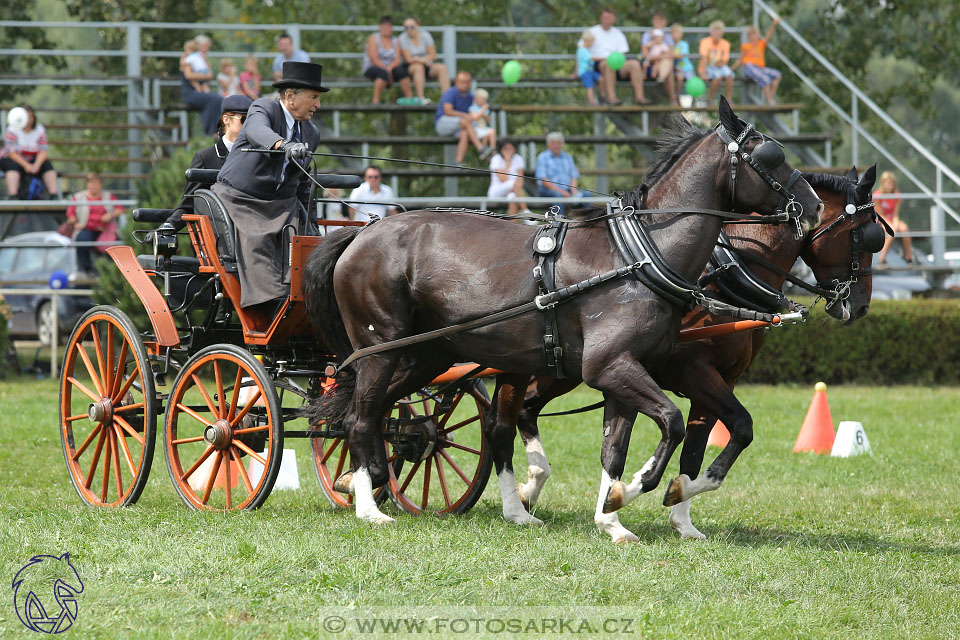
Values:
[(546, 246)]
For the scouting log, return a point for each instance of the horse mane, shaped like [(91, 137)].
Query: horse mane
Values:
[(679, 134), (838, 184)]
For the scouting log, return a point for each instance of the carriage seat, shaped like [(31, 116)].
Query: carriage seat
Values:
[(206, 203)]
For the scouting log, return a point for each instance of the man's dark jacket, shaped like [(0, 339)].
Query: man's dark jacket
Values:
[(258, 174)]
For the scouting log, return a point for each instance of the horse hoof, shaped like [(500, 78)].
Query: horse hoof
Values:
[(626, 539), (615, 497), (675, 491), (344, 482)]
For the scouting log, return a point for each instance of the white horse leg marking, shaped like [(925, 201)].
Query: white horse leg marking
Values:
[(513, 510), (362, 490), (692, 488), (680, 520), (634, 489), (609, 523), (538, 470)]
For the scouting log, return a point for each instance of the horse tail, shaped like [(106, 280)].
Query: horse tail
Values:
[(324, 313)]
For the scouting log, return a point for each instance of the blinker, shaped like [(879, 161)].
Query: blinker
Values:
[(768, 155), (872, 237)]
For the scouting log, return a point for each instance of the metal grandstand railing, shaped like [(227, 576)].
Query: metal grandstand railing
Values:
[(936, 194)]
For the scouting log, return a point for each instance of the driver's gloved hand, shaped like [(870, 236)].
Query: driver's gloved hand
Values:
[(295, 150)]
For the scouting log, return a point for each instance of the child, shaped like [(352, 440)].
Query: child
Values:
[(659, 63), (190, 47), (754, 66), (480, 114), (585, 71), (682, 67), (715, 60), (229, 82), (889, 208), (250, 78)]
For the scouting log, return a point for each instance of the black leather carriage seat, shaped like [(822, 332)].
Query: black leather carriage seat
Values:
[(205, 202)]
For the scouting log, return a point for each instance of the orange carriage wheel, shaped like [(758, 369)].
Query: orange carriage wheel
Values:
[(108, 421), (223, 433), (441, 461)]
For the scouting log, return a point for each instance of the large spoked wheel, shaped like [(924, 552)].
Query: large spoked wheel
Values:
[(441, 465), (223, 433), (331, 457), (108, 421)]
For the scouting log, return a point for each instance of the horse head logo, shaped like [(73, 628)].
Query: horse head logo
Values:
[(41, 576)]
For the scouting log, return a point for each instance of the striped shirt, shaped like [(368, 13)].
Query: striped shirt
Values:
[(27, 143), (557, 169)]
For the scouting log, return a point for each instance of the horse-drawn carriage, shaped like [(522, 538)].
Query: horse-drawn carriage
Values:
[(228, 384), (237, 378)]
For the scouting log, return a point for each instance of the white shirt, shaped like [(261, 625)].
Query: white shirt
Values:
[(606, 42), (497, 163), (290, 124), (197, 62), (227, 143), (362, 212)]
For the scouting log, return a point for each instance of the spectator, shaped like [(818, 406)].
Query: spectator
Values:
[(195, 87), (250, 78), (606, 40), (682, 67), (420, 55), (453, 118), (646, 40), (480, 114), (372, 190), (383, 63), (287, 52), (92, 222), (715, 60), (189, 47), (752, 57), (556, 173), (228, 79), (24, 157), (506, 176), (889, 208), (659, 63), (585, 71)]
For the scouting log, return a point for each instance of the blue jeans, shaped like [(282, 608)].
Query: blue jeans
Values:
[(207, 103), (84, 254), (543, 192)]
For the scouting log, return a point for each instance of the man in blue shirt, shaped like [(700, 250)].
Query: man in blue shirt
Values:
[(557, 176), (287, 54), (453, 118)]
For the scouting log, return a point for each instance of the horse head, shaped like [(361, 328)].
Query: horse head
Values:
[(754, 171), (840, 249)]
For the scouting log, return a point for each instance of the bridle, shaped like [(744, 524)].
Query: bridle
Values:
[(866, 237), (766, 158)]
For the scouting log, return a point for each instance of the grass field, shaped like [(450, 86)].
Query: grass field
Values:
[(799, 545)]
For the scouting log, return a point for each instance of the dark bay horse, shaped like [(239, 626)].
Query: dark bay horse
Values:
[(706, 371), (425, 270)]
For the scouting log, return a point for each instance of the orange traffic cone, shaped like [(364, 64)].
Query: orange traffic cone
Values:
[(817, 432), (719, 435)]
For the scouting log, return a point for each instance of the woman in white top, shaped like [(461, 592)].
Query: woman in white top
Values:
[(195, 86), (24, 155), (420, 56), (503, 185)]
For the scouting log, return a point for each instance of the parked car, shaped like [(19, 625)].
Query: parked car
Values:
[(30, 266)]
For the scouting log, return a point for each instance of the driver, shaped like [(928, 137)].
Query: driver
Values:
[(262, 192)]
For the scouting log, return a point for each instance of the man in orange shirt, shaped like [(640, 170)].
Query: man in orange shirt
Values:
[(715, 60), (754, 66)]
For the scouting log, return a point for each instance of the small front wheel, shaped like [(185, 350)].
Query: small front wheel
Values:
[(223, 433)]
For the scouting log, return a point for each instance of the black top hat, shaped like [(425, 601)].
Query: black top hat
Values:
[(238, 103), (304, 75)]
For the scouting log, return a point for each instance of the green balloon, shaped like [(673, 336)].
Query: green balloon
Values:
[(511, 72), (616, 60), (695, 86)]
